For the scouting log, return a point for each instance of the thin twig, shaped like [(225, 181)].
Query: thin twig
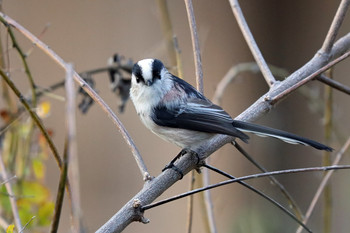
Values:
[(234, 71), (4, 224), (24, 61), (310, 77), (208, 200), (278, 205), (73, 170), (200, 87), (258, 175), (87, 89), (190, 204), (324, 183), (25, 226), (195, 45), (178, 57), (60, 191), (69, 149), (336, 85), (335, 26), (8, 180), (251, 42), (283, 190), (7, 97), (167, 30), (12, 198), (326, 160)]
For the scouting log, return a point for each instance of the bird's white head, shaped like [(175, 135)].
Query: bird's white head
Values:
[(149, 83)]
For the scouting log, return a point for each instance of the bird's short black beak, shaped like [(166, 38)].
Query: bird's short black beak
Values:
[(149, 82)]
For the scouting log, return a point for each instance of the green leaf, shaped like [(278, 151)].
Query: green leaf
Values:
[(34, 192), (45, 213)]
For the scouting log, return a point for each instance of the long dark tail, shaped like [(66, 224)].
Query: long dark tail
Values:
[(264, 131)]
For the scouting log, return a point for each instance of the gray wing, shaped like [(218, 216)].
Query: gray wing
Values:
[(203, 116), (198, 115)]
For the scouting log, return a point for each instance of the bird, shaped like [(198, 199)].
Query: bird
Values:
[(175, 111)]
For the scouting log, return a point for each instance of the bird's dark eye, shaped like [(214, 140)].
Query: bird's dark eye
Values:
[(138, 79)]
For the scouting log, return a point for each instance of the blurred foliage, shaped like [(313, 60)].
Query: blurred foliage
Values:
[(10, 229), (24, 152)]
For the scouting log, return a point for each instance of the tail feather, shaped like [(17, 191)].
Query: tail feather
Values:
[(264, 131)]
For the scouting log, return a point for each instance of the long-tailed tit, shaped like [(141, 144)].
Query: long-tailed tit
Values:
[(175, 111)]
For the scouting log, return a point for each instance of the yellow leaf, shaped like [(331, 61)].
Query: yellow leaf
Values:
[(43, 109), (10, 228)]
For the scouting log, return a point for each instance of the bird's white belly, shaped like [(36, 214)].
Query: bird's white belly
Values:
[(181, 137)]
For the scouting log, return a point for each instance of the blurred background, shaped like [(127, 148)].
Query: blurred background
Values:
[(87, 33)]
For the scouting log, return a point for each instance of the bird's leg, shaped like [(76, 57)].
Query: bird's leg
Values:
[(181, 153)]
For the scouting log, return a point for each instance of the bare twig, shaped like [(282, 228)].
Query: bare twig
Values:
[(12, 198), (283, 190), (24, 61), (298, 220), (208, 201), (70, 147), (258, 175), (335, 26), (234, 71), (195, 45), (178, 57), (200, 88), (336, 85), (326, 160), (87, 89), (310, 77), (73, 169), (60, 191), (190, 204), (167, 30), (4, 224), (324, 183), (8, 180), (25, 226), (251, 42), (7, 97)]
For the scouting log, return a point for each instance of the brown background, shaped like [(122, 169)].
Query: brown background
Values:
[(87, 32)]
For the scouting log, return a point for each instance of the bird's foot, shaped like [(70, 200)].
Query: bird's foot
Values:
[(172, 166), (182, 152)]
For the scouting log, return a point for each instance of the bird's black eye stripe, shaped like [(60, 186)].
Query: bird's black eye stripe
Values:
[(157, 67), (137, 71)]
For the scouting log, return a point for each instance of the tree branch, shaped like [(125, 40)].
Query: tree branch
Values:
[(310, 77), (335, 26), (195, 45), (248, 36), (336, 85)]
